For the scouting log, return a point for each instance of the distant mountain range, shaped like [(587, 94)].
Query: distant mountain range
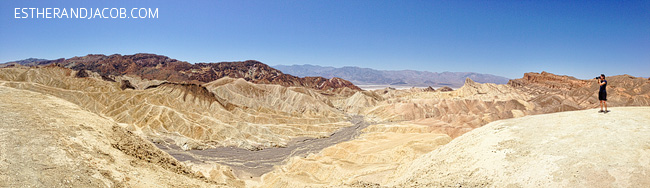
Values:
[(26, 62), (158, 67), (368, 76), (359, 76)]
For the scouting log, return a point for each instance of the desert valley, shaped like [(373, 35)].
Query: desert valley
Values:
[(147, 120)]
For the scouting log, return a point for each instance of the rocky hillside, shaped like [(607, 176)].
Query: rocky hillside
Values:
[(158, 67), (225, 112), (569, 93), (71, 147), (367, 76)]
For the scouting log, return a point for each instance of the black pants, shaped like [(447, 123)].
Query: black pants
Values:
[(602, 96)]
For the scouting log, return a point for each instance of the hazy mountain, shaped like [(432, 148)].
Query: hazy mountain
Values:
[(367, 76), (25, 62)]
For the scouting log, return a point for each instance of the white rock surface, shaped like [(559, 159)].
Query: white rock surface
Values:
[(568, 149)]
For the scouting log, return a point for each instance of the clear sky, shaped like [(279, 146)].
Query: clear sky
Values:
[(506, 38)]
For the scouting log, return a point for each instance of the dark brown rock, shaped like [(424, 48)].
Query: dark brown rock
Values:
[(126, 84), (151, 66), (81, 74), (196, 91), (445, 89), (107, 78)]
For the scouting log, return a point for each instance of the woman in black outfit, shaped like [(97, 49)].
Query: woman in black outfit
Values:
[(602, 94)]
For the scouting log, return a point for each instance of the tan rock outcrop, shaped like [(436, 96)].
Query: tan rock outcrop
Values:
[(471, 106), (564, 93)]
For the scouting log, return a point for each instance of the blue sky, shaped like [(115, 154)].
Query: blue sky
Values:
[(507, 38)]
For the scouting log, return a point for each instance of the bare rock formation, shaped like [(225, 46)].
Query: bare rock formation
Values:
[(471, 106), (357, 103), (488, 91), (157, 67), (550, 150), (474, 104), (76, 148), (239, 113), (30, 62), (107, 78), (126, 84), (81, 74), (564, 93), (251, 106), (547, 80), (269, 98), (452, 113), (371, 158)]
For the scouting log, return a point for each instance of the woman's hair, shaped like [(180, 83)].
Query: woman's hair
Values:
[(603, 75)]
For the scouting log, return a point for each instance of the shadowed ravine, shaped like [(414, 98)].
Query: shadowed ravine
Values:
[(259, 162)]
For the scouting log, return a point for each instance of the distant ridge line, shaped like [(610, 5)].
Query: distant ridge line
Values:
[(369, 76), (159, 67)]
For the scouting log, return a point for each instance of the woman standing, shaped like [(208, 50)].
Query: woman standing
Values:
[(602, 94)]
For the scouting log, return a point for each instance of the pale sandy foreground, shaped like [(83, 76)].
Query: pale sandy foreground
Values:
[(567, 149)]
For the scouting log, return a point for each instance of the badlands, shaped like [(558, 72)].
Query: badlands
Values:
[(146, 120)]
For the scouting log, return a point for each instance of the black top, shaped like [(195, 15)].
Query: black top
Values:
[(602, 87)]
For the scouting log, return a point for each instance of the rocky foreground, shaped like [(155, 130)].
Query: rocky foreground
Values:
[(99, 121), (71, 147), (567, 149)]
